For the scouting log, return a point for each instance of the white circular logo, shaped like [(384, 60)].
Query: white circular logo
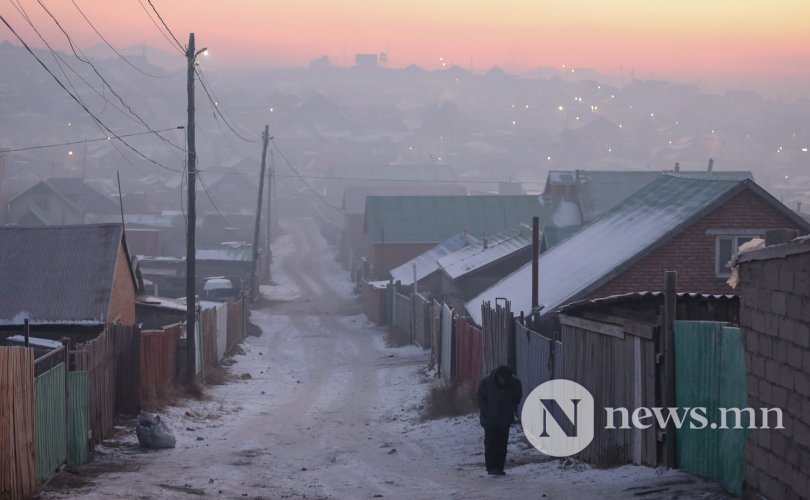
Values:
[(558, 418)]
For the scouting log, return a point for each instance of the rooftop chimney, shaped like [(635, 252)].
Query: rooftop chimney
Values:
[(711, 165), (677, 167)]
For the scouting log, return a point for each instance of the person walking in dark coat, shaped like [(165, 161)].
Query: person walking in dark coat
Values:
[(499, 395)]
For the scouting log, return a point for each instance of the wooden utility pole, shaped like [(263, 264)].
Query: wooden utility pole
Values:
[(191, 223), (254, 281), (270, 198)]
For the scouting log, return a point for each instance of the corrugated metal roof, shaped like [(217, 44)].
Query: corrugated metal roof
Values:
[(57, 274), (354, 197), (626, 232), (626, 298), (238, 254), (553, 236), (599, 191), (428, 262), (431, 219), (476, 256)]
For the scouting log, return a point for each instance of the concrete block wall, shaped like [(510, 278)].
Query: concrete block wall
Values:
[(775, 320)]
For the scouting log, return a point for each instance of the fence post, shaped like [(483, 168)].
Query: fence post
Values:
[(66, 348), (668, 349)]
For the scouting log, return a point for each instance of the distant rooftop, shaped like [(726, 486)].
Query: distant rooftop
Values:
[(427, 263), (431, 219)]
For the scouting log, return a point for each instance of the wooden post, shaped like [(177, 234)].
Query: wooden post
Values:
[(191, 224), (668, 373), (254, 280)]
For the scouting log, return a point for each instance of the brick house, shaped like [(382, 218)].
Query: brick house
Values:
[(680, 223), (79, 277), (774, 293)]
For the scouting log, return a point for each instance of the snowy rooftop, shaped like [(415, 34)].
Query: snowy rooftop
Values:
[(477, 255), (428, 262), (587, 259)]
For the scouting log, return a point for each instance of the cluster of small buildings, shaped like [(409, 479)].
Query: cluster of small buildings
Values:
[(93, 320), (651, 289)]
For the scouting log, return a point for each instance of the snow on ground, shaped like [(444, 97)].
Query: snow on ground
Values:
[(320, 407)]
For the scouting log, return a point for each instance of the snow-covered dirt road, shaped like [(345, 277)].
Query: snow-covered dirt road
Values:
[(321, 408)]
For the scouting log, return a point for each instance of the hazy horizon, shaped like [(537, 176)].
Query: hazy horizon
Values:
[(721, 45)]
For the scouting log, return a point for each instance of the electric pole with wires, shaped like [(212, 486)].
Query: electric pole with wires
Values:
[(254, 281), (191, 224)]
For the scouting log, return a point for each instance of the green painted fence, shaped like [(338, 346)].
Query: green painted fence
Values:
[(710, 373), (78, 418), (50, 434)]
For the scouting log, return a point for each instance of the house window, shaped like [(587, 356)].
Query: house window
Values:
[(727, 247)]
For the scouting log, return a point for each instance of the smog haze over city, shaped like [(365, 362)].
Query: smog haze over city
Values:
[(376, 188)]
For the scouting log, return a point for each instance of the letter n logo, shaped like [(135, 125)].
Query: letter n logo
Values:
[(558, 418), (553, 409)]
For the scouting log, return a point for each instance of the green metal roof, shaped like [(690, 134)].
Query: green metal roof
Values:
[(599, 191), (554, 235), (431, 219)]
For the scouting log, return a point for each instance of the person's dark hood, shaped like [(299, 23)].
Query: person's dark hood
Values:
[(502, 371)]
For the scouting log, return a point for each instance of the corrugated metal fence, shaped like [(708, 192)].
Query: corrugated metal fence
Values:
[(469, 352), (446, 350), (17, 421), (710, 373), (78, 407), (538, 359), (51, 419), (422, 321), (402, 314)]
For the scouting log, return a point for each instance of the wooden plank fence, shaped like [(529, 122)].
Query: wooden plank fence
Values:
[(236, 323), (158, 365), (127, 348), (499, 335), (98, 358), (421, 322), (208, 323), (17, 420)]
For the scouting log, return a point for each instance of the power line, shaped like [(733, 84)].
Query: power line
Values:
[(43, 146), (139, 70), (78, 101), (302, 179), (180, 45), (182, 51), (87, 61), (213, 203), (217, 109), (380, 179)]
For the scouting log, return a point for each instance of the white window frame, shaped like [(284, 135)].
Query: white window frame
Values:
[(720, 269)]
